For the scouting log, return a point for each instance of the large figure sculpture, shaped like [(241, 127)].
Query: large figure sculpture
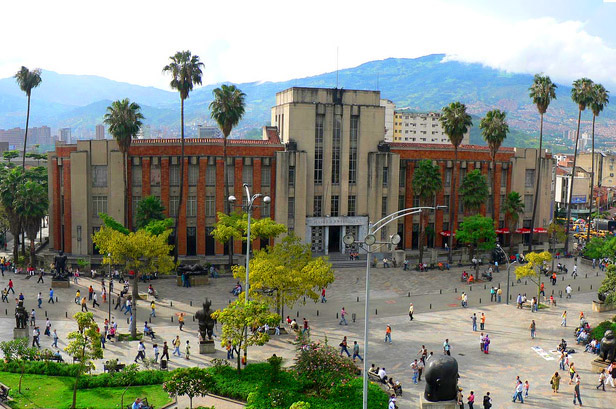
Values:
[(607, 352), (441, 379), (21, 316), (59, 263), (206, 322)]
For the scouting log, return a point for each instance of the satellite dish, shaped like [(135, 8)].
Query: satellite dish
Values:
[(348, 239), (395, 239), (370, 239)]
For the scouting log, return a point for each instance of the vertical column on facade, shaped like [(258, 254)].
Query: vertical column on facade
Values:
[(68, 223), (182, 212), (273, 192), (239, 194), (508, 173), (440, 201), (220, 197), (408, 202), (57, 196), (145, 177), (497, 194), (129, 193), (164, 184), (484, 172), (256, 186), (201, 207)]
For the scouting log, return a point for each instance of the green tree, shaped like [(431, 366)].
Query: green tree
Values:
[(186, 71), (608, 286), (581, 94), (239, 318), (149, 209), (84, 345), (37, 156), (10, 155), (542, 92), (227, 109), (235, 224), (124, 119), (494, 129), (512, 207), (9, 188), (300, 405), (140, 252), (477, 232), (190, 382), (532, 268), (474, 190), (455, 123), (426, 183), (27, 81), (18, 350), (600, 99), (32, 205)]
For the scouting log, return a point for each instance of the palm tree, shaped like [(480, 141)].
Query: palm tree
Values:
[(227, 109), (32, 206), (512, 207), (474, 191), (426, 183), (494, 129), (582, 95), (9, 186), (542, 92), (186, 71), (600, 99), (455, 122), (124, 121), (27, 80)]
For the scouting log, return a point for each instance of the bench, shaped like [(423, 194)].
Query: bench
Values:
[(116, 368), (4, 393), (375, 378), (56, 358)]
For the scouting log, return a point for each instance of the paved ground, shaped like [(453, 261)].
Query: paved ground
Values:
[(437, 316)]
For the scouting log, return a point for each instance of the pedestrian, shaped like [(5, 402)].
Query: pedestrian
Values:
[(76, 276), (423, 354), (39, 299), (542, 289), (153, 308), (517, 394), (561, 363), (140, 351), (415, 370), (128, 306), (499, 294), (446, 347), (405, 265), (571, 372), (356, 352), (176, 344), (90, 292), (50, 296), (568, 290), (165, 351), (187, 350), (482, 342), (411, 309), (84, 304), (482, 323), (5, 295), (576, 391), (40, 277), (388, 333), (103, 340), (343, 314), (519, 301), (33, 318), (574, 272), (611, 374), (55, 339), (492, 294), (229, 350), (11, 289), (47, 327), (343, 347), (323, 299), (555, 382), (35, 336), (119, 303), (526, 388), (95, 300), (487, 401), (533, 328), (563, 322), (181, 321), (602, 380), (306, 328), (155, 348), (471, 400), (486, 345)]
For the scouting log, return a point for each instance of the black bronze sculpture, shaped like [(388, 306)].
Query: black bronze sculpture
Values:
[(607, 351), (21, 316), (206, 322), (59, 263), (441, 379)]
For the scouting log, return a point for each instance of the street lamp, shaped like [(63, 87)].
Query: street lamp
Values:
[(367, 244), (508, 269), (249, 206), (110, 286)]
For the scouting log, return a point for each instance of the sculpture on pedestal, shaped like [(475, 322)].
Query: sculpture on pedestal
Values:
[(206, 322), (441, 379), (21, 316), (59, 263), (607, 351)]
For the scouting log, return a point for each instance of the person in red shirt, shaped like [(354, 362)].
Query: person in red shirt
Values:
[(11, 286)]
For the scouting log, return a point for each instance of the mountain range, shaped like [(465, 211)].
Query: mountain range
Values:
[(423, 84)]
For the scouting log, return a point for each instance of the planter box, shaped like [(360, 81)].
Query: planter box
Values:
[(60, 283), (598, 306), (194, 280)]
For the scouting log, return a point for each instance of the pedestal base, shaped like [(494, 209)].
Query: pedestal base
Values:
[(21, 333), (426, 404), (60, 283), (597, 365), (599, 306), (207, 347)]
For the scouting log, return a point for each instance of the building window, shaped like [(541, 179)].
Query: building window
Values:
[(99, 205), (266, 176), (526, 223), (401, 205), (61, 175), (416, 201), (291, 176), (210, 206), (136, 175), (335, 206), (210, 175), (462, 176), (354, 131), (318, 150), (174, 175), (447, 182), (174, 202), (530, 178), (135, 206), (402, 180), (193, 175), (247, 175), (318, 206), (528, 203), (265, 210), (351, 206), (230, 175), (502, 204), (191, 206), (291, 212), (385, 176), (504, 178), (336, 150), (99, 175), (384, 206), (446, 199), (155, 175)]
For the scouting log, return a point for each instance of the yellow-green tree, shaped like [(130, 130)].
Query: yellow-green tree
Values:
[(240, 321), (532, 268), (141, 252), (84, 345), (288, 271), (234, 226)]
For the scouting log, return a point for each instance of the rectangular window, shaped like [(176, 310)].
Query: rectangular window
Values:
[(210, 206), (401, 204), (336, 150), (530, 178), (155, 175), (402, 180), (210, 175), (351, 206), (384, 211), (174, 175), (526, 223), (230, 174), (416, 201), (99, 175), (61, 175), (385, 176), (462, 176), (460, 206), (174, 202), (528, 203), (446, 199), (318, 206), (191, 206), (502, 204), (504, 178), (247, 175), (291, 212), (136, 175), (291, 176), (447, 181), (99, 205), (266, 176), (354, 132), (335, 206), (318, 150), (135, 205), (265, 210), (193, 175)]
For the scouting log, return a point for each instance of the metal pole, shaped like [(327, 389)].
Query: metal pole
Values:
[(110, 285), (366, 312), (508, 284), (248, 210)]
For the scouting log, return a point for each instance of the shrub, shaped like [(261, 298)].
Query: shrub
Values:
[(125, 377), (48, 368), (300, 405), (598, 332)]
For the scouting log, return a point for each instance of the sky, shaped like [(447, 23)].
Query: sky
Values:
[(271, 40)]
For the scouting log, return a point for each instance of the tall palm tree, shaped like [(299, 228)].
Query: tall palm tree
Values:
[(426, 183), (27, 80), (227, 109), (494, 129), (9, 186), (542, 92), (582, 95), (600, 99), (186, 71), (512, 207), (32, 206), (124, 121), (455, 122)]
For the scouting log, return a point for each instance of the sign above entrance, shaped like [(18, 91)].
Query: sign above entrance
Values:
[(337, 221)]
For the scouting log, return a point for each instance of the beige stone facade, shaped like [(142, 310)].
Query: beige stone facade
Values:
[(412, 127)]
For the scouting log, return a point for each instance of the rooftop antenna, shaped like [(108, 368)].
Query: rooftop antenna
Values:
[(337, 66)]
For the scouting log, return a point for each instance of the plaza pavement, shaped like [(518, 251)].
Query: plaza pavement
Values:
[(437, 316)]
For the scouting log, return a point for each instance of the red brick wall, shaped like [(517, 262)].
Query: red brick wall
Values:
[(201, 207), (220, 196), (238, 190), (57, 216), (182, 212), (145, 177), (68, 223), (164, 184), (408, 200)]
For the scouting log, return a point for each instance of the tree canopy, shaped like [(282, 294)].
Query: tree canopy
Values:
[(149, 209), (608, 286), (235, 225), (477, 232), (532, 268), (474, 190), (191, 382)]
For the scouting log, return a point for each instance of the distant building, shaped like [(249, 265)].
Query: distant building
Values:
[(4, 146), (604, 167), (36, 135), (390, 109), (65, 135), (581, 189), (209, 132), (412, 127), (100, 132)]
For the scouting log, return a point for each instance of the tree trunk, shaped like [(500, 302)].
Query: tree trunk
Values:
[(23, 244), (538, 182), (133, 327), (421, 237), (190, 399), (592, 178), (32, 253), (452, 202), (227, 203), (577, 137), (15, 234), (23, 161), (74, 405), (177, 213), (125, 165), (239, 355)]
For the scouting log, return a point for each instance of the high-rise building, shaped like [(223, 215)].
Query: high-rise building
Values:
[(100, 132), (390, 109), (65, 135), (414, 127)]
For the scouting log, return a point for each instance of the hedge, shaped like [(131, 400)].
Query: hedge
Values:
[(49, 368)]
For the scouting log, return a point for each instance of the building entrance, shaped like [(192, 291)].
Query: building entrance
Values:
[(334, 239)]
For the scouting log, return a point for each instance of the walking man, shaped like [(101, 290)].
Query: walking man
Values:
[(84, 304), (411, 309), (356, 352), (533, 328), (140, 352), (482, 342), (576, 391), (40, 277), (95, 300), (50, 296), (165, 351), (39, 299), (483, 321), (415, 369), (11, 289), (518, 392), (176, 345), (343, 347), (343, 314), (55, 339), (446, 347), (323, 299), (568, 291), (474, 320), (153, 307), (388, 333)]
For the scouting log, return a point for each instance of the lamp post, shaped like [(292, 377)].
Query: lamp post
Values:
[(110, 286), (249, 206), (509, 264), (367, 243)]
